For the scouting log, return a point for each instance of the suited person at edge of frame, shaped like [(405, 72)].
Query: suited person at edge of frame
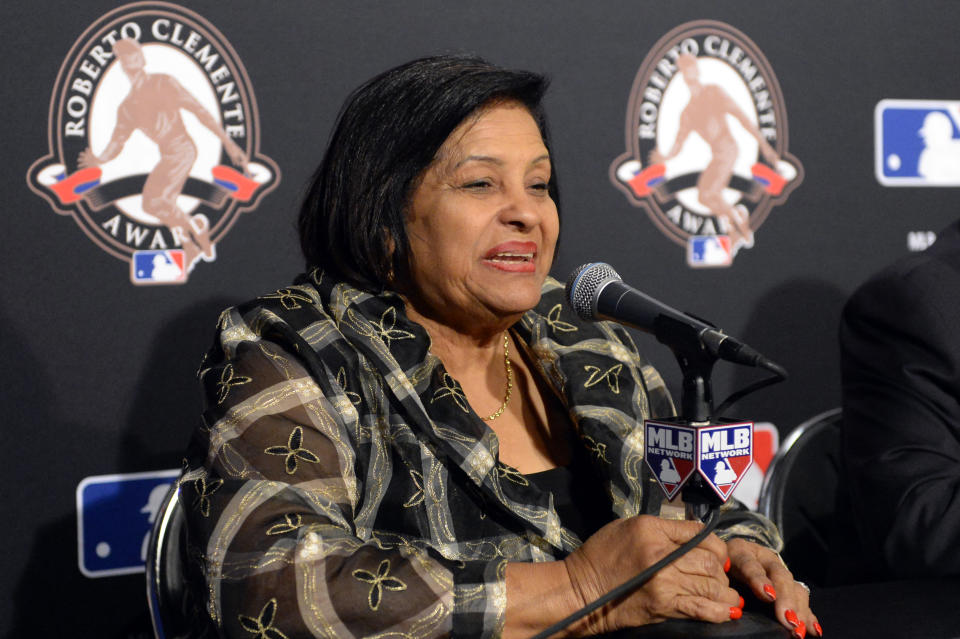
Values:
[(900, 442), (417, 437)]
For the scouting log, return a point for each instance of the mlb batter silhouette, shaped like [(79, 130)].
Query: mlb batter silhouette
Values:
[(940, 160), (723, 474), (706, 114), (153, 107), (668, 474)]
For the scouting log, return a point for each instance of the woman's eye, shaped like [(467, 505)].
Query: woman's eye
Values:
[(477, 185), (540, 186)]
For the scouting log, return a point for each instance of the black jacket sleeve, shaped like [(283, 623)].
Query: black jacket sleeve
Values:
[(900, 356)]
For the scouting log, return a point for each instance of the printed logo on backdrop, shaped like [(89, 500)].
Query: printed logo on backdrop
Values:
[(154, 140), (917, 142), (115, 514), (706, 141)]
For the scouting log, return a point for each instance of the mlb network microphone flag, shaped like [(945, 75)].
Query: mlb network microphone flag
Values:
[(720, 453)]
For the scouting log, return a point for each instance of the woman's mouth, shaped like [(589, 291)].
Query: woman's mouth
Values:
[(514, 257)]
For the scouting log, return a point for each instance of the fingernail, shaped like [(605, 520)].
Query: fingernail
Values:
[(791, 618), (735, 613), (818, 628), (800, 631), (770, 592), (741, 602), (726, 565)]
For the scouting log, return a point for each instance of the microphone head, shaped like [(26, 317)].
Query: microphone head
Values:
[(584, 285)]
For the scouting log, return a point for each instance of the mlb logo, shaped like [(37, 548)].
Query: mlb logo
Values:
[(766, 442), (917, 142), (704, 251), (115, 514), (158, 267), (669, 453), (724, 453)]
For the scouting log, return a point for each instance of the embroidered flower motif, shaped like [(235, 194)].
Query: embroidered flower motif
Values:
[(204, 490), (450, 388), (342, 383), (293, 451), (554, 321), (289, 524), (611, 376), (262, 626), (385, 327), (227, 381), (418, 496), (378, 582), (512, 474), (597, 448), (290, 299)]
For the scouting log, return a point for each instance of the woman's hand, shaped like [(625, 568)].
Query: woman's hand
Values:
[(770, 580), (695, 586)]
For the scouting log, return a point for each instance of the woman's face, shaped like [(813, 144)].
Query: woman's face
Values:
[(481, 224)]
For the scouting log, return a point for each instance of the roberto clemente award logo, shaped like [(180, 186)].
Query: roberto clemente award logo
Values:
[(707, 141), (154, 145)]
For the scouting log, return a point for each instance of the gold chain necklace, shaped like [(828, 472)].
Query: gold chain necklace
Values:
[(506, 395)]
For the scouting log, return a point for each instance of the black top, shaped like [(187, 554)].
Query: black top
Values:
[(578, 496)]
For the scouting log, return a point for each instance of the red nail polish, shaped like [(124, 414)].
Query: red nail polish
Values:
[(735, 613), (800, 631), (770, 592), (741, 602), (818, 628), (726, 565), (791, 618)]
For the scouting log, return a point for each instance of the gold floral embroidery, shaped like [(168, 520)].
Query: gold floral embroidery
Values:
[(610, 376), (450, 388), (204, 490), (227, 381), (378, 582), (386, 328), (597, 448), (342, 383), (262, 626), (289, 524), (418, 496), (290, 299), (512, 474), (293, 451), (554, 321)]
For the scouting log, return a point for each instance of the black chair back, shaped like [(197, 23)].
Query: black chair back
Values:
[(799, 494)]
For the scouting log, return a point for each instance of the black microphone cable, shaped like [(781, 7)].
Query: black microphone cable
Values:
[(779, 376), (634, 582)]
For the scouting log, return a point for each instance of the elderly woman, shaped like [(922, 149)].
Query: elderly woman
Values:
[(418, 438)]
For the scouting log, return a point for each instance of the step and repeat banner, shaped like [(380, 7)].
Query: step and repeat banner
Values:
[(750, 163)]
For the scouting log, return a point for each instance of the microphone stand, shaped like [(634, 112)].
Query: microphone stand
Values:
[(696, 403)]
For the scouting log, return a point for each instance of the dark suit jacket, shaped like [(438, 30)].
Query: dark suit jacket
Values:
[(900, 355)]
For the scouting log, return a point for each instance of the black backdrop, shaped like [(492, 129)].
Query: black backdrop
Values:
[(98, 374)]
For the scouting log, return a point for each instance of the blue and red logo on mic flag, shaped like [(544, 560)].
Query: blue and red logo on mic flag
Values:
[(669, 450), (724, 453)]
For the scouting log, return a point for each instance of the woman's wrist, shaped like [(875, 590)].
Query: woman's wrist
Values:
[(538, 596)]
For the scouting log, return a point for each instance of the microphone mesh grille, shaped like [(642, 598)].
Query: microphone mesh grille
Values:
[(583, 284)]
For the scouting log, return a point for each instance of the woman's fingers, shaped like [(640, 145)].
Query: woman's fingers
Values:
[(770, 580), (706, 609), (694, 586)]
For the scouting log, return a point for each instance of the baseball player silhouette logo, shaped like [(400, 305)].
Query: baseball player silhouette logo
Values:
[(154, 140), (707, 142)]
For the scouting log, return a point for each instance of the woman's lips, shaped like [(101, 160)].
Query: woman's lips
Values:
[(513, 257)]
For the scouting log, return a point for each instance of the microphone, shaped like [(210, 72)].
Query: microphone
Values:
[(596, 292)]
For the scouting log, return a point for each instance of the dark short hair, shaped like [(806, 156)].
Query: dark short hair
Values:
[(387, 134)]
